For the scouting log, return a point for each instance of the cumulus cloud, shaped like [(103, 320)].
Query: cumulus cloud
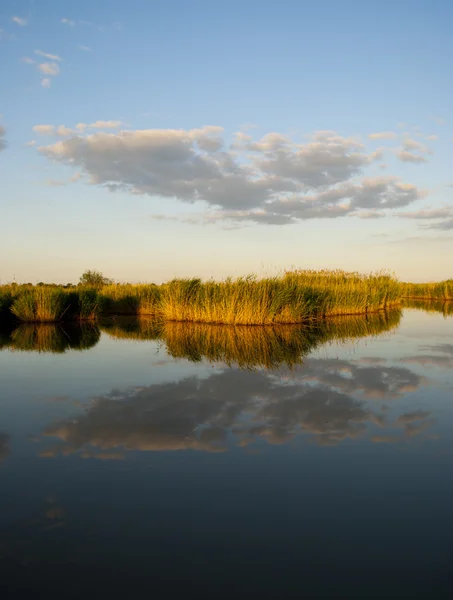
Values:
[(21, 21), (272, 180), (2, 138), (410, 157), (44, 129), (49, 68), (49, 56), (412, 151), (105, 125), (383, 135)]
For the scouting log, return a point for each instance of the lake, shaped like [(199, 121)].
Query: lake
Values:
[(148, 459)]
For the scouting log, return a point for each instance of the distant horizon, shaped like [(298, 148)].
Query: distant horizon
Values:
[(172, 139)]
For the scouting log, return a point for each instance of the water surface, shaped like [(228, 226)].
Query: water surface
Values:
[(144, 458)]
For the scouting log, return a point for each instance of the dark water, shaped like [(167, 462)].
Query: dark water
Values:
[(142, 461)]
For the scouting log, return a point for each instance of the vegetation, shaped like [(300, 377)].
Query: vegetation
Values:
[(94, 279), (47, 337), (442, 290), (249, 347), (293, 297), (435, 306)]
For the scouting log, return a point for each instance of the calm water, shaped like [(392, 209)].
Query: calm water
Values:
[(144, 461)]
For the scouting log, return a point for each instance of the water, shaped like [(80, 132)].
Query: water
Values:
[(142, 460)]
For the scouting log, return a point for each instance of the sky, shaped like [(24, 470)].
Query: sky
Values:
[(156, 139)]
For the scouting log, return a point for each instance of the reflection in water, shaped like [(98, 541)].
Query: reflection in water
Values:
[(51, 338), (436, 306), (249, 347), (252, 346), (437, 355), (4, 446), (326, 398)]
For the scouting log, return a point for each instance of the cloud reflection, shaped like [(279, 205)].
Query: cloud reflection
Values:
[(328, 400)]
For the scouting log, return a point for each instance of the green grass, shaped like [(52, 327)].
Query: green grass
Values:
[(40, 305), (293, 297)]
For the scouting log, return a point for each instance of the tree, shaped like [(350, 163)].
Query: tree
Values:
[(94, 279)]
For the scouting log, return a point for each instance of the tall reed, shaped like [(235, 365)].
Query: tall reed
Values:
[(44, 305)]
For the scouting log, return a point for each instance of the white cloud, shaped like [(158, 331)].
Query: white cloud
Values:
[(29, 61), (63, 131), (49, 56), (49, 68), (271, 180), (84, 48), (410, 144), (412, 151), (383, 135), (104, 125), (69, 22), (44, 129), (405, 156), (46, 83), (21, 21), (31, 143)]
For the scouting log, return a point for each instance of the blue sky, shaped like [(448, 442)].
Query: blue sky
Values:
[(191, 138)]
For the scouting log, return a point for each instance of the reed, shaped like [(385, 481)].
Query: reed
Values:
[(436, 306), (250, 347), (43, 305), (48, 337), (294, 297), (442, 290)]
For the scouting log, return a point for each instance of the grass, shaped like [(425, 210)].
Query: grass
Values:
[(249, 347), (442, 290), (43, 305), (435, 306), (294, 297), (48, 337)]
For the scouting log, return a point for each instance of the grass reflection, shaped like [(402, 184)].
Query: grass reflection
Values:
[(249, 347), (52, 338), (443, 307)]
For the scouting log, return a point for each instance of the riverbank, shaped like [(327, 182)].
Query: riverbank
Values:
[(294, 297)]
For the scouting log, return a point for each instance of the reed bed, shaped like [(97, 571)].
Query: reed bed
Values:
[(293, 297), (436, 306), (249, 347), (442, 290)]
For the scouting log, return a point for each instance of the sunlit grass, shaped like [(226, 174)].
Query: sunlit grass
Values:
[(293, 297), (442, 290)]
